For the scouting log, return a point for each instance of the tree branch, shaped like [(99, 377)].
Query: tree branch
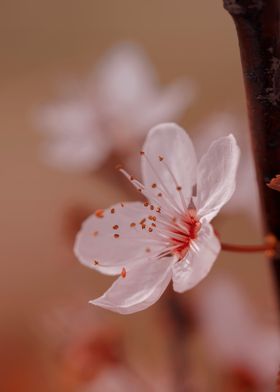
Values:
[(258, 27)]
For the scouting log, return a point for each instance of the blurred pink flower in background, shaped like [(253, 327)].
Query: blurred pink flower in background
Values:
[(169, 236), (118, 379), (246, 198), (235, 338), (90, 352), (111, 111)]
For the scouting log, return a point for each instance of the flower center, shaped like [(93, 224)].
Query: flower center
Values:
[(184, 233)]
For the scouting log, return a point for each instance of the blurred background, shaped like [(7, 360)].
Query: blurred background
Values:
[(49, 47)]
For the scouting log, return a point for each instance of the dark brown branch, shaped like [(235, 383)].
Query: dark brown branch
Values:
[(258, 27)]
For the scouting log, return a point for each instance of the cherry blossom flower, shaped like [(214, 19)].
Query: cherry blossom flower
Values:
[(110, 111), (275, 183), (219, 125), (169, 235), (236, 340)]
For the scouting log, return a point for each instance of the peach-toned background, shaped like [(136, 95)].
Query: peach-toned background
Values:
[(42, 43)]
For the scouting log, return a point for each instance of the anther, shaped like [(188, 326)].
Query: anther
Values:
[(116, 235), (122, 204), (179, 188), (112, 211), (142, 153), (123, 273), (154, 185), (158, 209), (142, 221), (99, 213), (148, 250), (152, 207), (95, 262), (95, 233), (132, 224), (150, 229), (160, 158), (115, 227), (146, 204), (159, 194)]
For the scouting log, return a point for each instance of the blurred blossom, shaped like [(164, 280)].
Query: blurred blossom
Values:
[(85, 343), (247, 351), (246, 197), (111, 111), (119, 379), (169, 236), (90, 353), (275, 183)]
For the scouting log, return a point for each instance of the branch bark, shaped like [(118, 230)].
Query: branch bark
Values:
[(258, 27)]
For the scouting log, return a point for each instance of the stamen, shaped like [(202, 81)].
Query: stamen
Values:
[(123, 273), (171, 199), (99, 213), (115, 227), (112, 211), (132, 224), (116, 235), (178, 187)]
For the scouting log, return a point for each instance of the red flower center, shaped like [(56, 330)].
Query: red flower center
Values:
[(186, 232)]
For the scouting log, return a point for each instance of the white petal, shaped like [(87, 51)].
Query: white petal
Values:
[(219, 125), (75, 141), (173, 144), (96, 242), (66, 118), (217, 176), (123, 78), (81, 153), (141, 288), (167, 104), (189, 272)]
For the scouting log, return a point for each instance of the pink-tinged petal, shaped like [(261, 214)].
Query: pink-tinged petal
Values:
[(221, 124), (75, 141), (197, 264), (169, 163), (66, 118), (140, 288), (217, 176), (113, 239), (75, 153), (123, 79), (165, 104)]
